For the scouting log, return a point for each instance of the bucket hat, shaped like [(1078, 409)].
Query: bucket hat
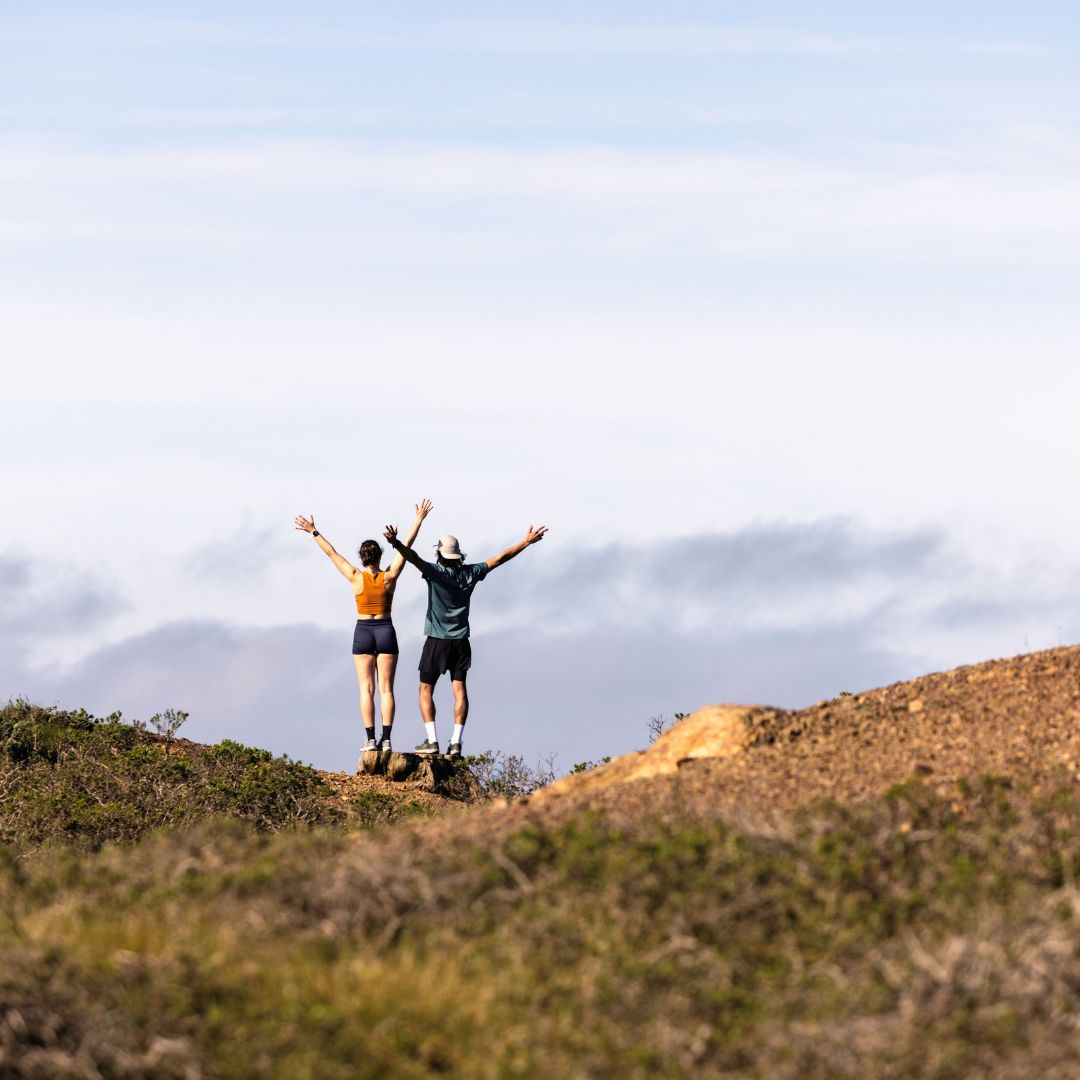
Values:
[(449, 548)]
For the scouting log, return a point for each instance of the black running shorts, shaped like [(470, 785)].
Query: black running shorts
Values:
[(373, 637), (445, 654)]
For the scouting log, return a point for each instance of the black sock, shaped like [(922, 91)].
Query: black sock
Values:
[(370, 732), (387, 734)]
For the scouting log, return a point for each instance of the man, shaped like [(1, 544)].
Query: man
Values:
[(450, 583)]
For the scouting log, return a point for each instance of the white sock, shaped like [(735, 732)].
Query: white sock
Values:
[(429, 727), (458, 729)]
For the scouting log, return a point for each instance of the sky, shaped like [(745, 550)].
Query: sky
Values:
[(768, 312)]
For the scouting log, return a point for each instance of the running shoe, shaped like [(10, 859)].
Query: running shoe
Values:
[(370, 745), (384, 744), (427, 747), (454, 750)]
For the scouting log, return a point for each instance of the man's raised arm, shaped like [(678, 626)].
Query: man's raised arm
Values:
[(403, 550), (533, 536)]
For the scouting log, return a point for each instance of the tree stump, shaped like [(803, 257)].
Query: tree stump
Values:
[(428, 772)]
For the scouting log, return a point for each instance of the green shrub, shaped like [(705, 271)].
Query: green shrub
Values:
[(586, 766), (30, 732), (71, 777), (496, 774), (384, 808)]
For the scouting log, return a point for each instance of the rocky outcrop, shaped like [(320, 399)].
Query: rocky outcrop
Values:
[(716, 731), (425, 772)]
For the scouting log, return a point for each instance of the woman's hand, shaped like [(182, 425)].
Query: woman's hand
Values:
[(423, 508), (390, 532), (534, 535), (305, 524)]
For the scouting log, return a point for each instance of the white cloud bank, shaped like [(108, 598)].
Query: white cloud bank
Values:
[(574, 654)]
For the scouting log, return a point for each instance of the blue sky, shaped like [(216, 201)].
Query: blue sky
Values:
[(660, 277)]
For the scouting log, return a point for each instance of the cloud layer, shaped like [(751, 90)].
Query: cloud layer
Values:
[(573, 654)]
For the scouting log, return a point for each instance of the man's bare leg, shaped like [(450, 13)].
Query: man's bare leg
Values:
[(461, 714), (427, 703), (427, 714)]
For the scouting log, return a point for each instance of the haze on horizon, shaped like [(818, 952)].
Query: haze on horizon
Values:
[(772, 320)]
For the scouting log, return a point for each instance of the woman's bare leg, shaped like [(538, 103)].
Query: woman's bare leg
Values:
[(365, 675), (387, 665)]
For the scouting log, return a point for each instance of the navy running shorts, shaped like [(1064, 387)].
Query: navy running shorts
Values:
[(445, 654), (374, 637)]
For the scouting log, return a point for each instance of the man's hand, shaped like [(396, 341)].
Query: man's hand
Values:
[(305, 524), (533, 536), (423, 508), (390, 532)]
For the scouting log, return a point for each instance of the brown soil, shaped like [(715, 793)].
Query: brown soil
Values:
[(1016, 718), (347, 786)]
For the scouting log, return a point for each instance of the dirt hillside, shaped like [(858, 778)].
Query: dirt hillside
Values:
[(1018, 718)]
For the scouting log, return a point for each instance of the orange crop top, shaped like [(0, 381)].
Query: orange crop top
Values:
[(375, 599)]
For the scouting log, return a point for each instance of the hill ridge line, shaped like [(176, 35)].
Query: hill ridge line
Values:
[(1017, 717)]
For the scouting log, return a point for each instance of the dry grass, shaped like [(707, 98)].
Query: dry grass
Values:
[(899, 938), (661, 930)]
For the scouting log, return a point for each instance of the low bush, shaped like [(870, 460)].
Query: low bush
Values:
[(70, 777), (497, 775), (385, 808)]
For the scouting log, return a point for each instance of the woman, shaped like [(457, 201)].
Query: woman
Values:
[(375, 647)]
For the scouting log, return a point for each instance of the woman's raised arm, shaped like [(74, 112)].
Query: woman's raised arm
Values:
[(423, 508), (308, 525)]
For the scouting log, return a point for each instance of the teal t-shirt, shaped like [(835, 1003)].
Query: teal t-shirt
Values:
[(449, 592)]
